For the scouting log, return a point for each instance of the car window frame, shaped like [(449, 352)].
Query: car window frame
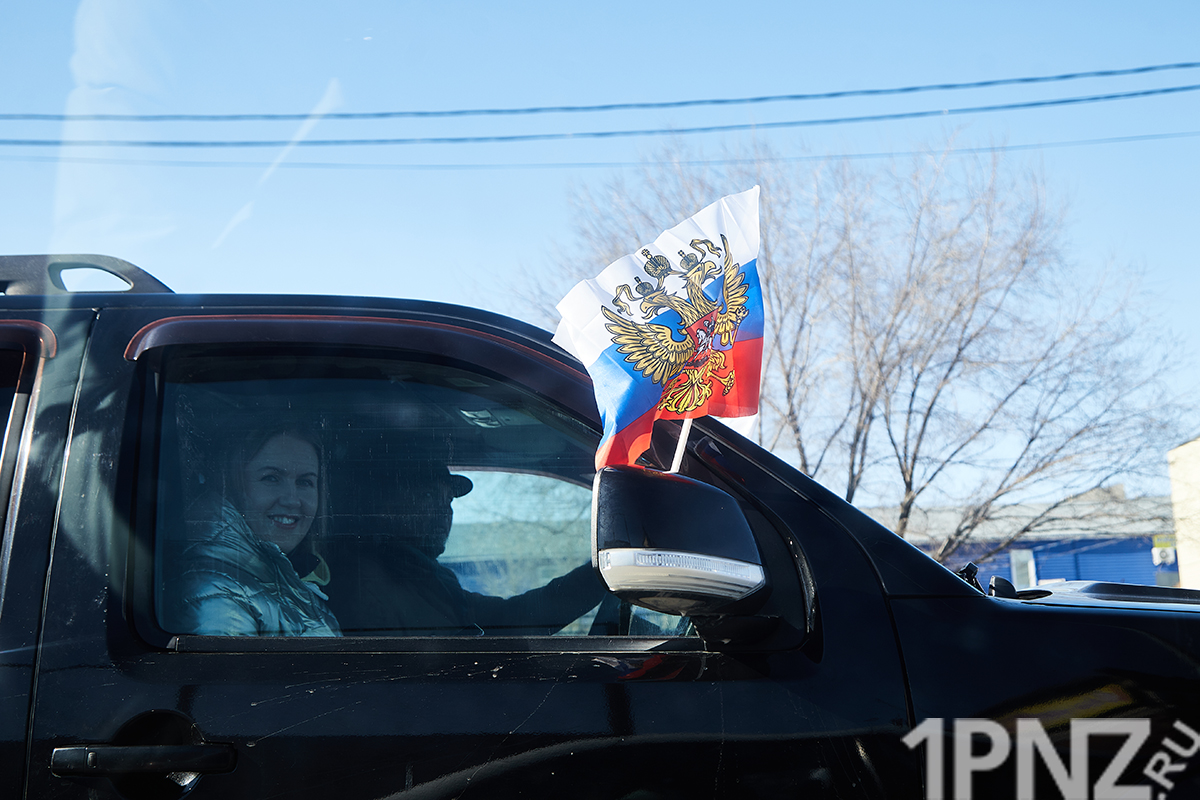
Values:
[(541, 372), (34, 343)]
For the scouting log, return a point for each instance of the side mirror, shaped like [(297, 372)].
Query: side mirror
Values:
[(672, 544)]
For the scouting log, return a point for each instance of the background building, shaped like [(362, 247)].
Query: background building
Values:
[(1100, 536), (1184, 464)]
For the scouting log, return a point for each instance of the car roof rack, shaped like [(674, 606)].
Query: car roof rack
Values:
[(43, 275)]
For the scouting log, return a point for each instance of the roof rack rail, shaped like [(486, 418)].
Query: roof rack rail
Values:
[(43, 275)]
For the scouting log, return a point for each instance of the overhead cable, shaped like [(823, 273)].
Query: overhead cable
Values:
[(475, 112), (542, 137), (335, 165)]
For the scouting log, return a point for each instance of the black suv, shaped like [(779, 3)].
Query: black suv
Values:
[(498, 619)]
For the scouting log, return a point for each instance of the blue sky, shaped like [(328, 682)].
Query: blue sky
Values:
[(466, 234)]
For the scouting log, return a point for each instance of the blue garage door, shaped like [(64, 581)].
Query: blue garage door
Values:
[(1124, 560), (1117, 560)]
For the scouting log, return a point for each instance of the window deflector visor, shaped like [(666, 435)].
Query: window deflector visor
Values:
[(28, 336), (331, 330)]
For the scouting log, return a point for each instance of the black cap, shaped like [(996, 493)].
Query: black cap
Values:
[(459, 484), (440, 473)]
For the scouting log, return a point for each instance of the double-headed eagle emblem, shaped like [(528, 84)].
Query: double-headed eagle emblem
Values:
[(682, 355)]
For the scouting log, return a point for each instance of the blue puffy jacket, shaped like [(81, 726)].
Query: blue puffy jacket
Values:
[(235, 584)]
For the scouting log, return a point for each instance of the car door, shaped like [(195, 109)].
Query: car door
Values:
[(486, 661), (40, 353)]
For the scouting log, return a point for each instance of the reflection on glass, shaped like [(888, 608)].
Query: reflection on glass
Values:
[(429, 501)]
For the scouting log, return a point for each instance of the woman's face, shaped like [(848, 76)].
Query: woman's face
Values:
[(281, 491)]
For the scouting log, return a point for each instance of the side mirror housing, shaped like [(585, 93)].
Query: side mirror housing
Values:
[(673, 544)]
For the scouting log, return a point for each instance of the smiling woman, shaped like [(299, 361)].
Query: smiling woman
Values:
[(279, 484), (239, 574)]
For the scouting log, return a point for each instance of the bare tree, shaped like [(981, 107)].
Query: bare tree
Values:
[(1000, 378), (927, 341)]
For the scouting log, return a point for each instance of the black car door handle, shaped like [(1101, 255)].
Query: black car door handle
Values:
[(103, 759)]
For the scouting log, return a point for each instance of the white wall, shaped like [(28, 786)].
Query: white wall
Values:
[(1184, 463)]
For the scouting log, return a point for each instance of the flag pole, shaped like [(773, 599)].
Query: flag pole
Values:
[(681, 445)]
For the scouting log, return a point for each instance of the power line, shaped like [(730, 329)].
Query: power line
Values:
[(542, 137), (474, 112), (334, 165)]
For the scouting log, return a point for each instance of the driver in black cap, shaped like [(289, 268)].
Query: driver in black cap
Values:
[(387, 579), (426, 521)]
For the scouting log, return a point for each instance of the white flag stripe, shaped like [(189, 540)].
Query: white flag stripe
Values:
[(581, 331)]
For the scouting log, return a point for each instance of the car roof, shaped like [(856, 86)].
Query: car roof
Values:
[(36, 282)]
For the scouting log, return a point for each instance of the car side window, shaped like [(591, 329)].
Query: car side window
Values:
[(10, 374), (301, 495), (11, 363)]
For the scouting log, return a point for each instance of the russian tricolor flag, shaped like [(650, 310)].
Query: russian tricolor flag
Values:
[(674, 330)]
